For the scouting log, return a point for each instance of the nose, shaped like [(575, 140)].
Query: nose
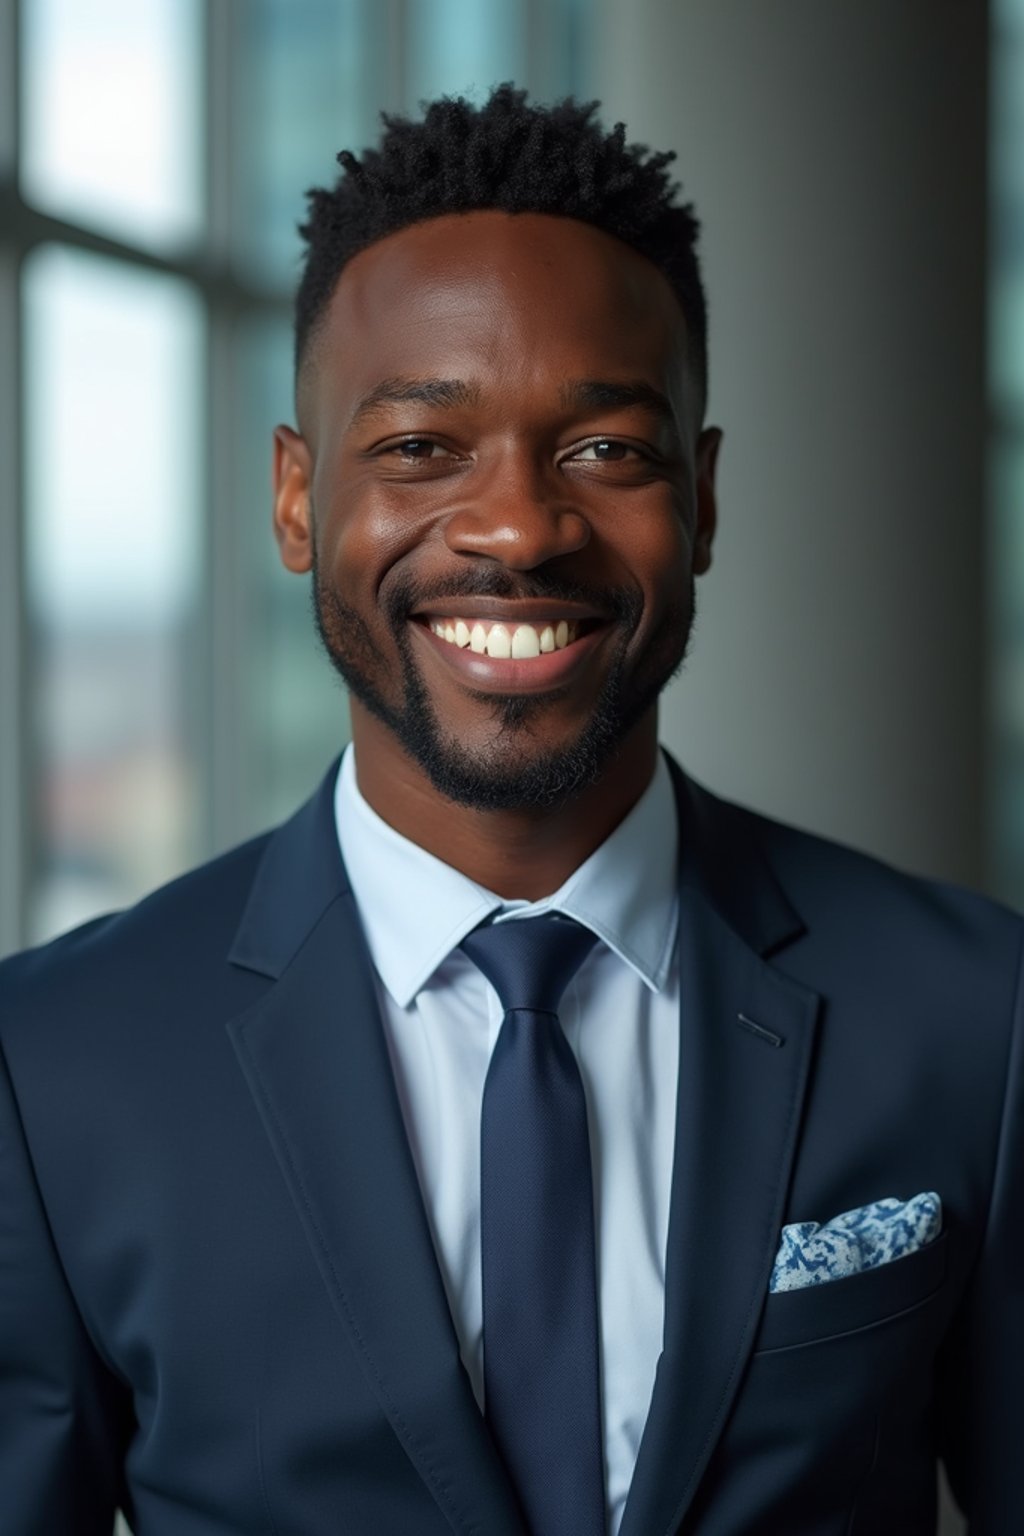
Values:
[(519, 517)]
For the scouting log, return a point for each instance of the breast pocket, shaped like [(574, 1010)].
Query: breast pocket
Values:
[(838, 1307)]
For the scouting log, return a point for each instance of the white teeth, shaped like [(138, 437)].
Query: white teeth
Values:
[(520, 642), (525, 642), (499, 642)]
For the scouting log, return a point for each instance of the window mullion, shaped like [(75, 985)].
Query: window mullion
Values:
[(17, 807), (222, 736), (15, 775)]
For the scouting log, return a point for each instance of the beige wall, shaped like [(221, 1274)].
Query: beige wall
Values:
[(836, 153)]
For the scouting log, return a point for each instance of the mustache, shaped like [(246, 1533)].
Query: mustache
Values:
[(406, 596)]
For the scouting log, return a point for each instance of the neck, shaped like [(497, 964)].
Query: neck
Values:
[(522, 854)]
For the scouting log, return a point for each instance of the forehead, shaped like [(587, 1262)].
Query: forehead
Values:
[(500, 299)]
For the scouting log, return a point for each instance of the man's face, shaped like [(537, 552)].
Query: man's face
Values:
[(503, 494)]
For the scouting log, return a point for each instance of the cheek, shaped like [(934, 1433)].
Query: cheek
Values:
[(361, 537), (660, 551)]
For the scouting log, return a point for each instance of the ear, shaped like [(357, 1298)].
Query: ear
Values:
[(708, 444), (293, 523)]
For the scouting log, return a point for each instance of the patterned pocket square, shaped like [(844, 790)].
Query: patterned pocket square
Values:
[(810, 1254)]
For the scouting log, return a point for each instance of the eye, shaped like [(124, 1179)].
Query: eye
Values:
[(417, 458), (419, 449), (605, 450)]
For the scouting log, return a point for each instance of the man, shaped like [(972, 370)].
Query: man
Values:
[(520, 1140)]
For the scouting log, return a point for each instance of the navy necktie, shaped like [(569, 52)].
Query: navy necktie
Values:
[(541, 1375)]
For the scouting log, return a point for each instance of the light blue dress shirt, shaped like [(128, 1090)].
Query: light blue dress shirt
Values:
[(621, 1016)]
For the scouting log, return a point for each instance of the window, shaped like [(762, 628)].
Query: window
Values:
[(162, 694), (113, 489), (1006, 354)]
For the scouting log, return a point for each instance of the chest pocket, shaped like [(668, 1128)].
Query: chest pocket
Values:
[(837, 1307)]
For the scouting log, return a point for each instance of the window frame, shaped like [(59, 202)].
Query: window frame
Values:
[(229, 297)]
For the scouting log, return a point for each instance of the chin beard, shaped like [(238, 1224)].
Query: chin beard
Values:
[(514, 773)]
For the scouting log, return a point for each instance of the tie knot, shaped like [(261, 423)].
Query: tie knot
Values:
[(530, 961)]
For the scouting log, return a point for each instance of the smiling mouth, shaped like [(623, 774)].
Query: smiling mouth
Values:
[(509, 641), (527, 645)]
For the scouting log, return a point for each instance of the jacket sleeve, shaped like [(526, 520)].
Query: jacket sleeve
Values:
[(982, 1385), (62, 1414)]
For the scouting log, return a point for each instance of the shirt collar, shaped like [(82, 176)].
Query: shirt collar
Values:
[(416, 909)]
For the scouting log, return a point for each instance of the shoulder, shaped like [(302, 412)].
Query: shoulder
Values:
[(833, 879), (857, 914), (158, 981), (187, 924), (874, 924)]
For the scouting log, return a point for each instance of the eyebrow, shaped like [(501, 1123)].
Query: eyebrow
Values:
[(611, 395), (441, 393), (576, 394)]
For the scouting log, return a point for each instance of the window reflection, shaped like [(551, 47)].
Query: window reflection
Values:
[(312, 76), (111, 115), (114, 356), (1007, 298), (1006, 358)]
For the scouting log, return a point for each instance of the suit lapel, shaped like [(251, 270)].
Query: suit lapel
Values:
[(739, 1110), (315, 1059), (314, 1056)]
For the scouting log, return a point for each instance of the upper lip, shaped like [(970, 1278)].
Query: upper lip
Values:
[(526, 610)]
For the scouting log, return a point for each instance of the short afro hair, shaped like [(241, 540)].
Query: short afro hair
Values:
[(511, 156)]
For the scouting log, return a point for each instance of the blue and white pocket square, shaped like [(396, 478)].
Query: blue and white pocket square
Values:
[(811, 1253)]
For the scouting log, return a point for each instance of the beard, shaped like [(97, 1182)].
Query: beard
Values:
[(515, 772)]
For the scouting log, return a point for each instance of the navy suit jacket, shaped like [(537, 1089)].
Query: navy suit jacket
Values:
[(219, 1302)]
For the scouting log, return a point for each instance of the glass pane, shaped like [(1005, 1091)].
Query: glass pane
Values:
[(313, 76), (1007, 297), (463, 47), (115, 360), (1006, 587), (1006, 366), (296, 710), (111, 115), (1006, 342), (308, 84)]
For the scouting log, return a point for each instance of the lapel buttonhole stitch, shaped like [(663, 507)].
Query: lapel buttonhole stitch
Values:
[(767, 1035)]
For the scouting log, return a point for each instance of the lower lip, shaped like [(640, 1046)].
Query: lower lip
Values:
[(492, 674)]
